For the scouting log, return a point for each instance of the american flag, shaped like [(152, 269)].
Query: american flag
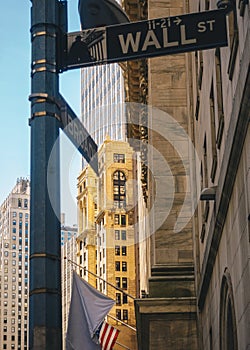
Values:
[(107, 336)]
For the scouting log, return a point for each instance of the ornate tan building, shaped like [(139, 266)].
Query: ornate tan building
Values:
[(106, 244)]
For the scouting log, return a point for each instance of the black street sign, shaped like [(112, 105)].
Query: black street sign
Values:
[(78, 135), (144, 39)]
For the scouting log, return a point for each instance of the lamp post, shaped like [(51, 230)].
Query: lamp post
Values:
[(45, 264)]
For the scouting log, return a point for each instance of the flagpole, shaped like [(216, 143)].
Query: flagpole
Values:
[(123, 346), (91, 273)]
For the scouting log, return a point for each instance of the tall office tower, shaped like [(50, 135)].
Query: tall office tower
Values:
[(14, 263), (68, 254), (106, 244), (102, 98)]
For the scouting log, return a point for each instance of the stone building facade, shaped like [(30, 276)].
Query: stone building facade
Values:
[(167, 318), (220, 105), (198, 277)]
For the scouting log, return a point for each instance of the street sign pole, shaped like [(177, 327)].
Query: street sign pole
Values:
[(45, 320)]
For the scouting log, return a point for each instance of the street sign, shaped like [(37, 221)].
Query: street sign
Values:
[(144, 39), (78, 135)]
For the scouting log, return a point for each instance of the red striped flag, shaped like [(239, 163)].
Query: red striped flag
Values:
[(108, 336)]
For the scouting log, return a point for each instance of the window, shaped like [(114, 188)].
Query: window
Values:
[(124, 283), (123, 235), (119, 158), (117, 235), (119, 189), (125, 299), (228, 329), (118, 299), (118, 314), (118, 282), (117, 219), (125, 315), (124, 250), (117, 250), (233, 38), (123, 220), (220, 121), (117, 266), (124, 266), (213, 135)]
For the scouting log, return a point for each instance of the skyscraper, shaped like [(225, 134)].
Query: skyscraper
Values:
[(14, 266), (68, 254), (102, 98)]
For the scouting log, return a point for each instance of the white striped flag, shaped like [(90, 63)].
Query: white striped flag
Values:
[(108, 335), (88, 308)]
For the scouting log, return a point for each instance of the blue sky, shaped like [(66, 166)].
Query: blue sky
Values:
[(15, 107)]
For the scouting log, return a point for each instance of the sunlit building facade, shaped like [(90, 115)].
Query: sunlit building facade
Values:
[(14, 267), (106, 242)]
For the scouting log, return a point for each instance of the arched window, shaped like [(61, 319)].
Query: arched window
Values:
[(228, 330), (119, 189)]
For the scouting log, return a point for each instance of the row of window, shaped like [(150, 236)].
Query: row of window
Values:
[(121, 282), (20, 263), (122, 314), (14, 254), (13, 295), (14, 270), (120, 219), (121, 298), (14, 214), (121, 266), (120, 250), (22, 203), (6, 245), (120, 234), (20, 223)]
